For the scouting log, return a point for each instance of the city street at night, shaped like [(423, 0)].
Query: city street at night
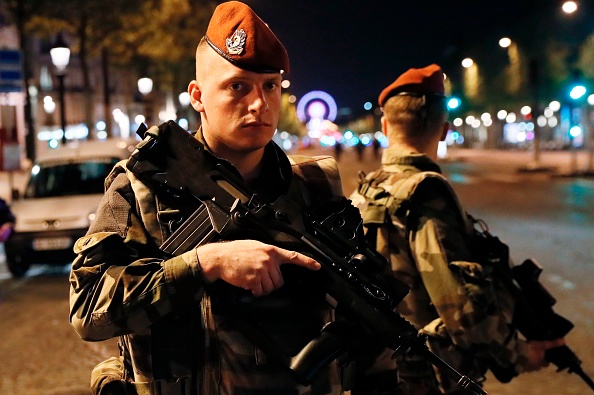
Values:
[(502, 91), (542, 215)]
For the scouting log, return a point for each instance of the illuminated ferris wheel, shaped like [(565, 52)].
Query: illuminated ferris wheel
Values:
[(318, 110)]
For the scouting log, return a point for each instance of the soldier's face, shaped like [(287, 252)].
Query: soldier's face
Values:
[(239, 108)]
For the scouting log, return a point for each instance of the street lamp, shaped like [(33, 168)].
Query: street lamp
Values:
[(514, 86), (471, 78), (504, 42), (60, 54), (578, 114), (185, 114), (184, 99), (467, 63), (590, 139), (49, 106), (145, 86), (569, 7), (513, 71)]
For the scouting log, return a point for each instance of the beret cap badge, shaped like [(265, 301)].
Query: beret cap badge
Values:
[(236, 42)]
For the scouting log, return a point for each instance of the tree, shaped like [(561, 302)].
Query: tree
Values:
[(22, 11), (288, 120), (159, 36), (586, 57), (87, 23)]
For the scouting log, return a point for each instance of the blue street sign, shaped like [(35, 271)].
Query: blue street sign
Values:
[(11, 71)]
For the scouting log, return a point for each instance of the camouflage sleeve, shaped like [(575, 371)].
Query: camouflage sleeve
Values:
[(469, 310), (119, 283), (319, 173)]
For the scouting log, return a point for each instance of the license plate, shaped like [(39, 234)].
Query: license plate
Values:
[(54, 243)]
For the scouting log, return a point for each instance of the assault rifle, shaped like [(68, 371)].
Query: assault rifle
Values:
[(174, 164), (534, 316)]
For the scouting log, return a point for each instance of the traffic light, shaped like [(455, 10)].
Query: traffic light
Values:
[(577, 90), (453, 103), (577, 94)]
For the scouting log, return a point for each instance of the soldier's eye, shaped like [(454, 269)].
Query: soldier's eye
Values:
[(270, 86), (236, 86)]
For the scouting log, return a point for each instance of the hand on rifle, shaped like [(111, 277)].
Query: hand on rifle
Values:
[(534, 352), (249, 264)]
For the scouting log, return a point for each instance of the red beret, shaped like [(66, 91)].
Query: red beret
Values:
[(425, 81), (236, 33)]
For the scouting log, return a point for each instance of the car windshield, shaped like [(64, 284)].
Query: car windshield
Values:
[(66, 179)]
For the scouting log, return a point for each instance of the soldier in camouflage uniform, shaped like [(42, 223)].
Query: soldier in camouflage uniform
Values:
[(414, 217), (174, 339)]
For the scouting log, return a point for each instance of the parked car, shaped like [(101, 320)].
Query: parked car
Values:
[(59, 202)]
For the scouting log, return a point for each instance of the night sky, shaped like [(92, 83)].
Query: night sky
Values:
[(352, 49)]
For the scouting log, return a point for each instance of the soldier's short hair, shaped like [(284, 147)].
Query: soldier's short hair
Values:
[(416, 116)]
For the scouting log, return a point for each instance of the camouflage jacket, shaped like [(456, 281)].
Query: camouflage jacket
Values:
[(173, 338), (421, 228)]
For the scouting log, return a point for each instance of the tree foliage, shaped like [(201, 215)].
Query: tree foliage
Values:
[(156, 36), (161, 38), (288, 120), (548, 45)]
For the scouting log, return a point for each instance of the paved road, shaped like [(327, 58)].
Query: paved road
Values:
[(538, 215)]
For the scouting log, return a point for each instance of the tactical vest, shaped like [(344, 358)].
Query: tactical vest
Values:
[(315, 181), (391, 206)]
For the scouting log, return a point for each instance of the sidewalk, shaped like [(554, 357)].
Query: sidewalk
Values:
[(556, 163)]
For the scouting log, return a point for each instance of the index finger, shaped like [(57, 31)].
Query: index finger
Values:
[(296, 258)]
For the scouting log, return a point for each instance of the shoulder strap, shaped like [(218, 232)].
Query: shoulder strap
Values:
[(146, 204), (400, 192), (403, 191)]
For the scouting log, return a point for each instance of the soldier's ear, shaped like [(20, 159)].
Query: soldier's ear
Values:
[(195, 96), (384, 125)]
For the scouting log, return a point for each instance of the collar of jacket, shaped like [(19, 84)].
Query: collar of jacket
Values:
[(276, 174), (394, 156)]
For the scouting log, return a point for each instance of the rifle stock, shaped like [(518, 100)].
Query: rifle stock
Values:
[(350, 270), (537, 320), (534, 316)]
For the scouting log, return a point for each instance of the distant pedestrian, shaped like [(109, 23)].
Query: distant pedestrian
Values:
[(337, 150), (376, 144), (360, 148), (7, 221)]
